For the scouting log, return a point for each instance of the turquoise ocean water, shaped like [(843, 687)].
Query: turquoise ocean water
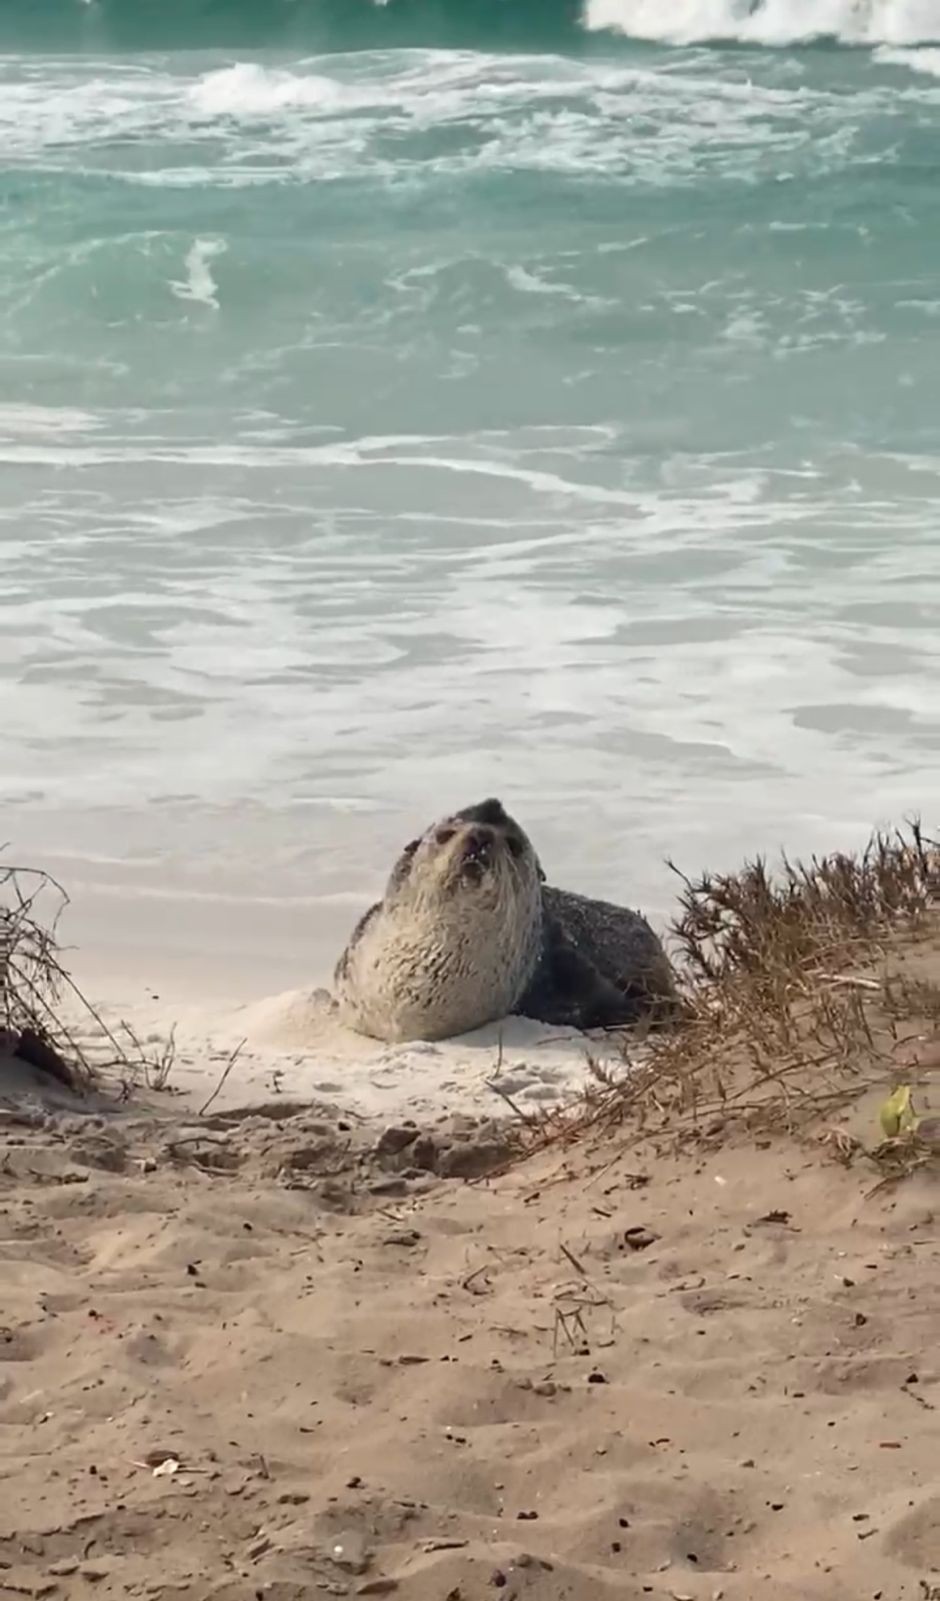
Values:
[(404, 403)]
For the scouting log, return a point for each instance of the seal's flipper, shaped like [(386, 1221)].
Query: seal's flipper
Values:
[(342, 966), (400, 871), (570, 992)]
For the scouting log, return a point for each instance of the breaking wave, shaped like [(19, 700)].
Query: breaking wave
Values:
[(769, 22), (529, 24)]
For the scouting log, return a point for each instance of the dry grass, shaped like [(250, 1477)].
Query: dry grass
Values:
[(788, 1014), (771, 930), (37, 996)]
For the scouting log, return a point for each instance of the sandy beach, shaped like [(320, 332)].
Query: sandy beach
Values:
[(327, 1334), (249, 1378), (404, 403)]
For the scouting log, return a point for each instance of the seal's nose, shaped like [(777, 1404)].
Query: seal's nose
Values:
[(478, 841)]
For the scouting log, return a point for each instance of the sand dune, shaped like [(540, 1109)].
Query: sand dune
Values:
[(369, 1381), (302, 1322)]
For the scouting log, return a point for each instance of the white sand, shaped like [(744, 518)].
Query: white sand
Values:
[(292, 1045)]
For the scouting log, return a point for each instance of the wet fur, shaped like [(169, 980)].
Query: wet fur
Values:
[(602, 966), (441, 955)]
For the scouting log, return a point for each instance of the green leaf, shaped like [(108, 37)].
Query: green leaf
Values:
[(897, 1115)]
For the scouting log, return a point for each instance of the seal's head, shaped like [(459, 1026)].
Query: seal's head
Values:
[(479, 851), (456, 938)]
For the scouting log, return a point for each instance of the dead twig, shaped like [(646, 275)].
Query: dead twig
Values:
[(227, 1070), (42, 1009), (520, 1112), (574, 1261)]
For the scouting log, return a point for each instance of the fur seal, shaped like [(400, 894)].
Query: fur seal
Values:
[(469, 931)]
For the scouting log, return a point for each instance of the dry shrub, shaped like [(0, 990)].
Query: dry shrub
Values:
[(38, 999), (772, 929), (781, 1026)]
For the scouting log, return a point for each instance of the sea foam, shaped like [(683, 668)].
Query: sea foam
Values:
[(770, 22)]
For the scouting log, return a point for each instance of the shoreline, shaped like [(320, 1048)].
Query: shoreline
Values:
[(742, 942), (275, 912)]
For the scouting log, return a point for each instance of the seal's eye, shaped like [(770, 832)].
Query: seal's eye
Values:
[(443, 836)]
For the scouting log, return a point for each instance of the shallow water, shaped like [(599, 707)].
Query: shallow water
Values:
[(385, 427)]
